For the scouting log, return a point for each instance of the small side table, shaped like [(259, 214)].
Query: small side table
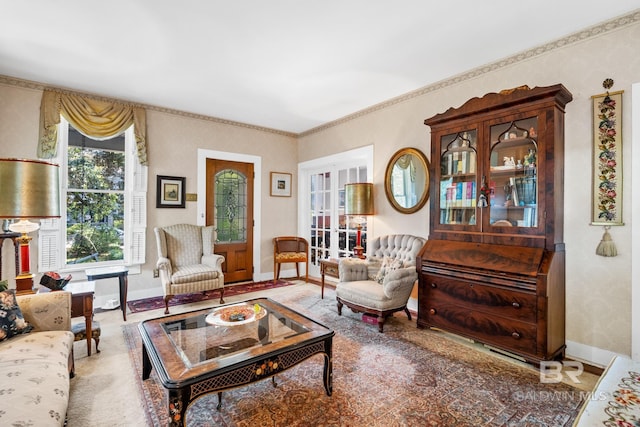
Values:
[(328, 267), (82, 294), (122, 273)]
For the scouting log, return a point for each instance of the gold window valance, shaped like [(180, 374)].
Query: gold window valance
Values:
[(95, 118)]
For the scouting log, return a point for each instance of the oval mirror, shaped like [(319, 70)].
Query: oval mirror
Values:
[(406, 181)]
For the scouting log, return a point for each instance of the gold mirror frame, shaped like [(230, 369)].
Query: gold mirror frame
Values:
[(422, 169)]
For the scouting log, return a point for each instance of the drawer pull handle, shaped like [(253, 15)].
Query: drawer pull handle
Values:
[(433, 285), (432, 311), (515, 335), (516, 304)]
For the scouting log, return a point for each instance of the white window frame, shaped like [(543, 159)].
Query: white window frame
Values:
[(52, 235)]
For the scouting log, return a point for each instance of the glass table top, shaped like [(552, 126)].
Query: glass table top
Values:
[(207, 336)]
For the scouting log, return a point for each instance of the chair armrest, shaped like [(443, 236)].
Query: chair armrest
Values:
[(399, 282), (48, 311), (164, 264), (352, 269), (213, 261)]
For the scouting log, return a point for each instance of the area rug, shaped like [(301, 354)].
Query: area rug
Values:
[(403, 377), (616, 397), (153, 303)]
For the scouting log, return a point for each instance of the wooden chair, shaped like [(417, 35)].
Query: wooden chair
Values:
[(290, 249)]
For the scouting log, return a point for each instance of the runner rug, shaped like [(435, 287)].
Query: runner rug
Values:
[(153, 303), (403, 377)]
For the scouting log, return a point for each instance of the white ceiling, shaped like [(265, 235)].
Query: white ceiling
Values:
[(289, 65)]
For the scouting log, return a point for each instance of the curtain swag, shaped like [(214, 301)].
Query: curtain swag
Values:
[(406, 161), (94, 118)]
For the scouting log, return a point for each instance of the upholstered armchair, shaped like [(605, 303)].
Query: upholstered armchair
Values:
[(381, 284), (186, 261)]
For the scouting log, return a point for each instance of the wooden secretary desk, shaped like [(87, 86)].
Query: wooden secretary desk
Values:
[(493, 269)]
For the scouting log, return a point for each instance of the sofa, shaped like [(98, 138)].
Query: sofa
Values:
[(36, 358)]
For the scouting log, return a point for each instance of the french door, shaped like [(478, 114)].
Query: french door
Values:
[(331, 233)]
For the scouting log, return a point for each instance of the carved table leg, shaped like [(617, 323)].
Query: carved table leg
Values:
[(178, 402), (328, 369)]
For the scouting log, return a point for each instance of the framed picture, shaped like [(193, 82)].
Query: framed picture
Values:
[(170, 192), (606, 206), (280, 184)]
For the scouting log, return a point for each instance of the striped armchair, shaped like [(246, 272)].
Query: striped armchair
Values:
[(186, 261)]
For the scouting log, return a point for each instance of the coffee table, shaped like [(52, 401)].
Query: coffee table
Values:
[(199, 352)]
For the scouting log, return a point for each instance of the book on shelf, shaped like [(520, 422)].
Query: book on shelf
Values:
[(464, 162), (470, 198), (444, 186), (529, 216), (456, 162), (472, 162)]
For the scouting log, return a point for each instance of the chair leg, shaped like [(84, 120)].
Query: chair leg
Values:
[(380, 323), (166, 303), (297, 270), (406, 310), (340, 308), (221, 295), (275, 272), (97, 340), (306, 272)]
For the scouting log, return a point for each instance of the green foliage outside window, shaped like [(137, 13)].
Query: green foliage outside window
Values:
[(95, 205)]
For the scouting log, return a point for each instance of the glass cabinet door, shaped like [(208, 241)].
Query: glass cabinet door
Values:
[(512, 178), (458, 184)]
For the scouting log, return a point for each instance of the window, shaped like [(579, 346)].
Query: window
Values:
[(103, 202)]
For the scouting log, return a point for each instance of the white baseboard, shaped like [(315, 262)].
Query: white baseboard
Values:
[(591, 355)]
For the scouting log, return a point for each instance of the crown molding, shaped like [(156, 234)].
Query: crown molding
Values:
[(590, 32), (27, 84)]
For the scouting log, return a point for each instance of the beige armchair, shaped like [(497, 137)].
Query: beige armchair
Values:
[(381, 284), (186, 261)]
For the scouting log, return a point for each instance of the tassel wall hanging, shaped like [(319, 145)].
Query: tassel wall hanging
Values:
[(606, 247), (607, 165)]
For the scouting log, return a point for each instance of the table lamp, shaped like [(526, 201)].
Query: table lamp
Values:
[(358, 203), (28, 190)]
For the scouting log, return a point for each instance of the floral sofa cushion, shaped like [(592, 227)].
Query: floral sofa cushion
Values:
[(11, 320), (35, 367)]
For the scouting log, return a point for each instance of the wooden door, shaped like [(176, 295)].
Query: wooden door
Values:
[(229, 207)]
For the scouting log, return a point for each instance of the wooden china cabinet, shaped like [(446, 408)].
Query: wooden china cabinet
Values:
[(493, 269)]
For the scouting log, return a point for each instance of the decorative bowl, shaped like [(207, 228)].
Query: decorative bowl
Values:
[(54, 284)]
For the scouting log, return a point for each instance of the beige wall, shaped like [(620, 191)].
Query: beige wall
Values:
[(598, 289), (173, 143)]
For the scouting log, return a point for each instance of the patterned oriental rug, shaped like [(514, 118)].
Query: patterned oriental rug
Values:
[(153, 303), (404, 377)]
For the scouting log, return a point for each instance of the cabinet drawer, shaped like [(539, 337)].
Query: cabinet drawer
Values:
[(509, 303), (484, 327)]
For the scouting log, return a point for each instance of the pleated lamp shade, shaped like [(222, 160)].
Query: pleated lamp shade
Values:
[(28, 189), (358, 199)]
